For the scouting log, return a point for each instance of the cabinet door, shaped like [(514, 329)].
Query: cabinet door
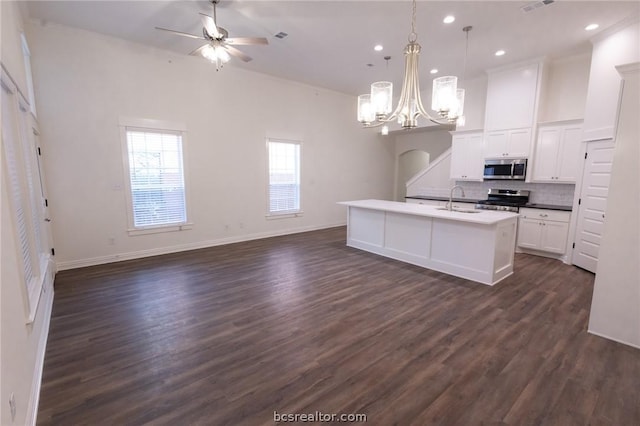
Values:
[(569, 155), (554, 236), (495, 144), (519, 143), (475, 157), (512, 98), (458, 157), (546, 159), (529, 233), (466, 157)]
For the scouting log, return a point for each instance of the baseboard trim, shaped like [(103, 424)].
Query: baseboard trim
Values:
[(47, 304), (81, 263), (604, 336)]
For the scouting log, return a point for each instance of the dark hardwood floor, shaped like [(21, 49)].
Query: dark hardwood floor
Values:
[(302, 323)]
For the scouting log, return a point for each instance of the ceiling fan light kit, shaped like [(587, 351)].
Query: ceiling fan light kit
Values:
[(218, 49), (375, 109)]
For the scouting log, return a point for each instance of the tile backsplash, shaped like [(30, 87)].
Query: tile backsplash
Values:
[(541, 193)]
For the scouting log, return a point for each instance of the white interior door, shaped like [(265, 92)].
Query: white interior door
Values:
[(593, 204)]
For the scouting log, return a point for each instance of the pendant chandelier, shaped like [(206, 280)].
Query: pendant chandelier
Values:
[(375, 108)]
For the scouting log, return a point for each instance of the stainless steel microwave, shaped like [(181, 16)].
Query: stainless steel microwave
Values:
[(507, 168)]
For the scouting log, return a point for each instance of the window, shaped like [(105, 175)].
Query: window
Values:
[(20, 154), (284, 177), (156, 182)]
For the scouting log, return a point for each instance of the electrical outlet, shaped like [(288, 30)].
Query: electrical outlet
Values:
[(12, 406)]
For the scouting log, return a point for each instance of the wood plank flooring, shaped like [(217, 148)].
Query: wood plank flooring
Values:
[(302, 323)]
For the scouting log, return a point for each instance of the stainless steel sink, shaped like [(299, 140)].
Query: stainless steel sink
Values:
[(459, 210)]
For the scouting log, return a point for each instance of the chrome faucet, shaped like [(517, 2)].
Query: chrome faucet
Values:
[(450, 207)]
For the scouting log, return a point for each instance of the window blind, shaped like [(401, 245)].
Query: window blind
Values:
[(19, 189), (157, 177), (284, 177)]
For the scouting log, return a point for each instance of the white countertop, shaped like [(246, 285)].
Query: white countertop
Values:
[(485, 217)]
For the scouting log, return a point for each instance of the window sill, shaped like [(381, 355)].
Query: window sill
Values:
[(272, 216), (160, 229)]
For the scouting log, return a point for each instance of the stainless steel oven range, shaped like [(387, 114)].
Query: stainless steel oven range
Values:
[(509, 200)]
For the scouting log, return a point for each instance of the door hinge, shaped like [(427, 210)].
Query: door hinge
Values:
[(585, 155), (574, 245), (53, 251), (579, 201), (39, 151), (46, 202)]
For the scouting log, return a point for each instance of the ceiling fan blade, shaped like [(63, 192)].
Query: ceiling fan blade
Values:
[(238, 54), (210, 25), (180, 33), (246, 40), (199, 50)]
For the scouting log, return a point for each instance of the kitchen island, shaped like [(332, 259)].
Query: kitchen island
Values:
[(478, 245)]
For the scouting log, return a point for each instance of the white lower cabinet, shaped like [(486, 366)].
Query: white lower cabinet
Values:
[(543, 230)]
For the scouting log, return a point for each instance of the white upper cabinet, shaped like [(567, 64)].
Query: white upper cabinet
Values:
[(467, 161), (511, 110), (512, 97), (557, 152), (507, 143)]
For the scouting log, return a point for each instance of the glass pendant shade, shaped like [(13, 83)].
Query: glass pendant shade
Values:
[(215, 53), (366, 114), (222, 54), (444, 94), (381, 97), (458, 106)]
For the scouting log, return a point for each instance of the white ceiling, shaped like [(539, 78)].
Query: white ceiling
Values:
[(330, 43)]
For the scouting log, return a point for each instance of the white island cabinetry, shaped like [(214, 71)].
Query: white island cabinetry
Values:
[(476, 246)]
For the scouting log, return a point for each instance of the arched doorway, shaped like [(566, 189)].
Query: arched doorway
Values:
[(409, 163)]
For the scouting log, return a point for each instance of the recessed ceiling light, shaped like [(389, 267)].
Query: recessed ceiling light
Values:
[(378, 47), (591, 27), (500, 52), (434, 71), (449, 19)]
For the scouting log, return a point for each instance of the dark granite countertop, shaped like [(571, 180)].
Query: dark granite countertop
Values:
[(549, 207), (435, 198), (471, 200)]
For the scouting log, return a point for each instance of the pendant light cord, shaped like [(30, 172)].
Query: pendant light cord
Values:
[(466, 53), (413, 36)]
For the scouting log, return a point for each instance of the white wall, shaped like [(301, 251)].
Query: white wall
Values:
[(475, 99), (432, 140), (409, 164), (609, 50), (21, 345), (435, 180), (564, 91), (615, 308), (85, 81)]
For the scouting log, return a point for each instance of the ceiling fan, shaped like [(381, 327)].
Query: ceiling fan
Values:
[(219, 46)]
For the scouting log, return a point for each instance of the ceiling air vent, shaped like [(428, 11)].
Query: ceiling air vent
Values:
[(281, 35), (535, 5)]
